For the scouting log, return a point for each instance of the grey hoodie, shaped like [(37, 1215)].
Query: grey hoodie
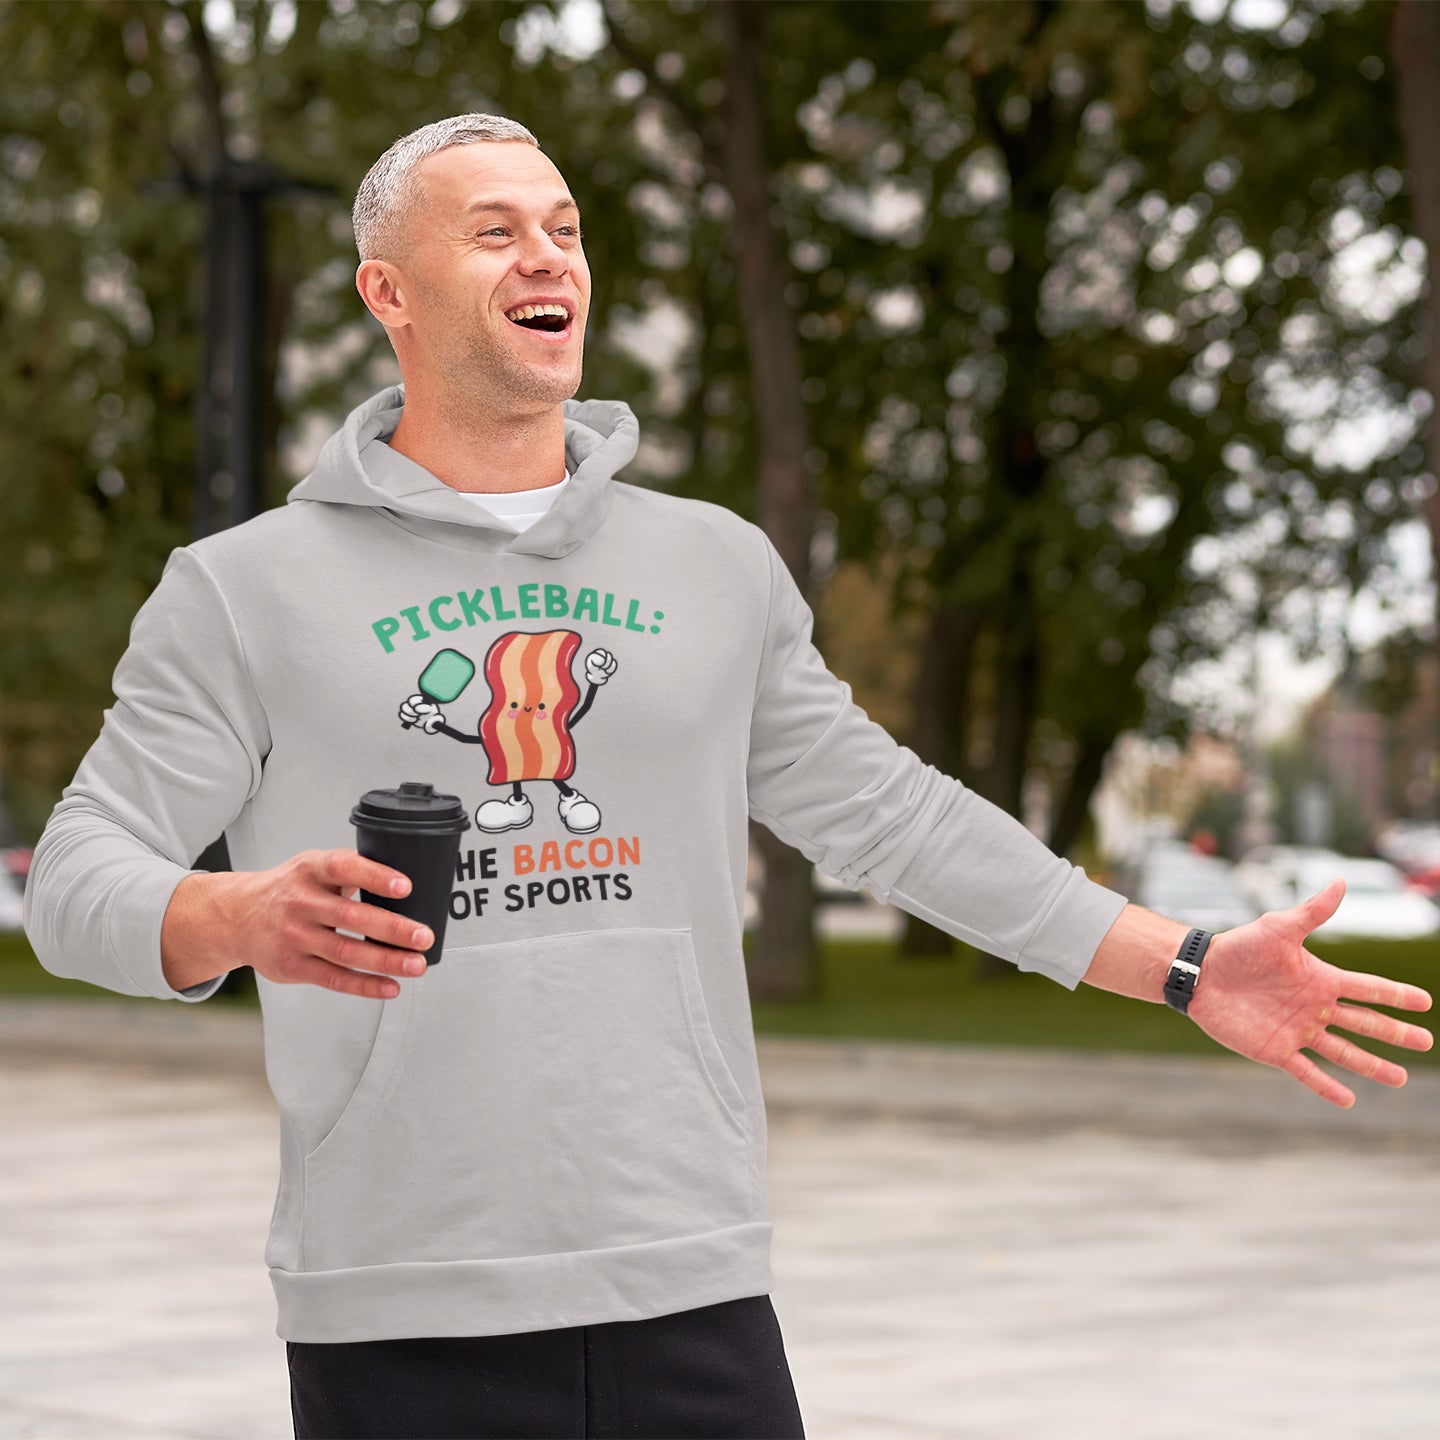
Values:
[(561, 1123)]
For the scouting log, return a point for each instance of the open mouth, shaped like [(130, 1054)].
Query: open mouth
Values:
[(551, 319)]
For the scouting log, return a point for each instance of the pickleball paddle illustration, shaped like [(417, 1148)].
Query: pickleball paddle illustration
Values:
[(442, 680)]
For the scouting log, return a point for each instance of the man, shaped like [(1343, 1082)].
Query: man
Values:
[(522, 1193)]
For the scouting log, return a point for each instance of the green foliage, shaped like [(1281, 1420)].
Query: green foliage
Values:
[(1075, 284), (110, 116), (1219, 811)]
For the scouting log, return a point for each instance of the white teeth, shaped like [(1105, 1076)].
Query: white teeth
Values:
[(529, 312)]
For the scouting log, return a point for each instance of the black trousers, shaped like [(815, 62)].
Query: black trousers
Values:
[(718, 1371)]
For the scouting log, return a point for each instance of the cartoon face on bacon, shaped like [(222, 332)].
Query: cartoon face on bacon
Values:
[(526, 728)]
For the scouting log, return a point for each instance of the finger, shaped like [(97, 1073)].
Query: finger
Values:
[(368, 921), (1310, 914), (1380, 1027), (1377, 990), (344, 981), (1309, 1074), (1362, 1062), (367, 955), (344, 870)]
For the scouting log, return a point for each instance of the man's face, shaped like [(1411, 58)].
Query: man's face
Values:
[(496, 229)]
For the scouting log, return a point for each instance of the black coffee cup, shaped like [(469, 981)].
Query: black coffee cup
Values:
[(417, 832)]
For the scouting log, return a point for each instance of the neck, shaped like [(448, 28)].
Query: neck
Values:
[(482, 453)]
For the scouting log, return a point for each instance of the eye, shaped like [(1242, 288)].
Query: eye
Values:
[(542, 704), (514, 704), (494, 230), (571, 230)]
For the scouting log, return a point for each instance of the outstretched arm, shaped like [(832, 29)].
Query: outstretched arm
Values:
[(1262, 994)]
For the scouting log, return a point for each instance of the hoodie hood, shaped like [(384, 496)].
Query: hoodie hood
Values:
[(601, 437)]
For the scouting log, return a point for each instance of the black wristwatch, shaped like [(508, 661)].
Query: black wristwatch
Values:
[(1184, 973)]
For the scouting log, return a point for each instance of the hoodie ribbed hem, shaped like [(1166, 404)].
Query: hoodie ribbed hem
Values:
[(530, 1292)]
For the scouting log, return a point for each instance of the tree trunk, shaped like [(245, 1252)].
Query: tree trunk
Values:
[(784, 960), (1415, 50), (941, 709), (1084, 777), (1016, 688)]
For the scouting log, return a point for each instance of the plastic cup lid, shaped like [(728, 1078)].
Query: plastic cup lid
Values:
[(414, 806)]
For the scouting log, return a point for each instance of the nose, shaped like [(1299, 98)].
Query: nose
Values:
[(543, 255)]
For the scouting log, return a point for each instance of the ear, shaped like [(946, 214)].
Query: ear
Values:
[(380, 285)]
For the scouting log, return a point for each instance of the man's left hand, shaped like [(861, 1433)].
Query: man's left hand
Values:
[(1264, 995)]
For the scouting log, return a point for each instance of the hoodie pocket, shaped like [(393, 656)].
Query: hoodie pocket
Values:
[(540, 1096)]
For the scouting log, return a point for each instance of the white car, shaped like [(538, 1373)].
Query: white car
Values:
[(1378, 901), (1193, 888), (12, 902)]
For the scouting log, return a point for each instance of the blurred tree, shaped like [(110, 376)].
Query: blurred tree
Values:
[(1415, 54), (108, 113), (1093, 312), (1119, 341), (1096, 300), (1219, 810)]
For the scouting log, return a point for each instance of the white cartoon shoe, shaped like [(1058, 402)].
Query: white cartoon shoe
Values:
[(512, 813), (580, 815)]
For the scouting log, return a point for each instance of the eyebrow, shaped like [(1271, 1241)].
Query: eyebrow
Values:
[(505, 207)]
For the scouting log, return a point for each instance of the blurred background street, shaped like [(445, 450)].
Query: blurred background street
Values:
[(959, 1253)]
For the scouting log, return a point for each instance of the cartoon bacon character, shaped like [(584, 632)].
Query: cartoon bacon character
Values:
[(526, 729)]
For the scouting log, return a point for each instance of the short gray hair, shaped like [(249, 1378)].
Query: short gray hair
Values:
[(390, 190)]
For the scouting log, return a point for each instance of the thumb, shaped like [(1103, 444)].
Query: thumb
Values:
[(1314, 912)]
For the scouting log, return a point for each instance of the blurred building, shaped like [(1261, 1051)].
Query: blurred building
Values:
[(1350, 745), (1152, 786)]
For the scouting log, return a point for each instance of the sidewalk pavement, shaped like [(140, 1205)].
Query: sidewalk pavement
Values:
[(1005, 1086), (970, 1244)]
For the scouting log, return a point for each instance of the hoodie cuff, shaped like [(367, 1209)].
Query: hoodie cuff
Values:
[(132, 932), (1064, 943)]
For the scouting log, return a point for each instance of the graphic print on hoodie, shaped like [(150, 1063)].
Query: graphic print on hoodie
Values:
[(562, 1123), (527, 728)]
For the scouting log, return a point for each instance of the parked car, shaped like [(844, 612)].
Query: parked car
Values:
[(1379, 901), (16, 860), (12, 901), (1190, 887)]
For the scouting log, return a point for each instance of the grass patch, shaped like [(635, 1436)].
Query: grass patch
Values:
[(21, 974), (869, 992)]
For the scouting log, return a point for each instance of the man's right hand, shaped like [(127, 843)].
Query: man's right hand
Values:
[(283, 922)]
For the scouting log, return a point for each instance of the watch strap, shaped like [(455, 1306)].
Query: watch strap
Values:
[(1184, 973)]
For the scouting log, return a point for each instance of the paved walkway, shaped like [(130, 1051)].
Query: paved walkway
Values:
[(970, 1244)]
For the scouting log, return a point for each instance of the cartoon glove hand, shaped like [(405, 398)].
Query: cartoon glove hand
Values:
[(417, 710), (599, 666)]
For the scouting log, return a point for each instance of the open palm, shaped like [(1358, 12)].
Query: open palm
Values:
[(1265, 996)]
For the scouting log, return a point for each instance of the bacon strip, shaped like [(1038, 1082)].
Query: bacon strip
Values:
[(525, 670)]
